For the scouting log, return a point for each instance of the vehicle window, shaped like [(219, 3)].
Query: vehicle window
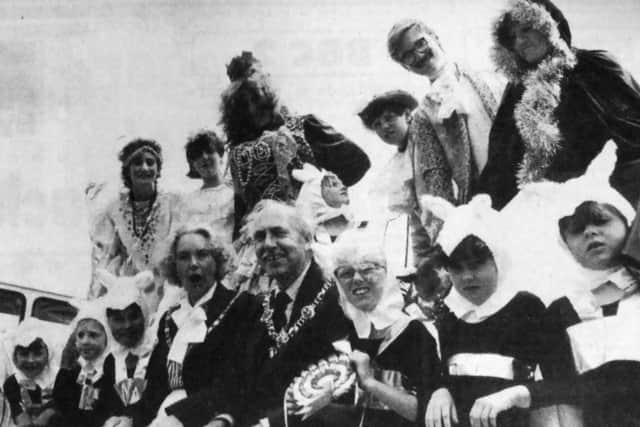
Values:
[(53, 310), (12, 303)]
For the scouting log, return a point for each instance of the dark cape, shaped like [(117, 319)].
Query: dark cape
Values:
[(513, 331)]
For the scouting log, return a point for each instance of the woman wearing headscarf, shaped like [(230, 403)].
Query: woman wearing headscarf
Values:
[(394, 356), (128, 235), (560, 107)]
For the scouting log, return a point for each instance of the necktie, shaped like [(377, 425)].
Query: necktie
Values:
[(131, 361), (279, 307)]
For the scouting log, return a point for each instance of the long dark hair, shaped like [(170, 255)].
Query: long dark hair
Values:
[(236, 119)]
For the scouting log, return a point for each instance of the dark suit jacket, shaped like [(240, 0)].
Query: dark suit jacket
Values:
[(207, 366), (265, 379)]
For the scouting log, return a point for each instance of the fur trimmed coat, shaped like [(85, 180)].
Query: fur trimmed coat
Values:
[(555, 118)]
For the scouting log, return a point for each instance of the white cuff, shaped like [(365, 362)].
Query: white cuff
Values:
[(225, 417), (264, 422)]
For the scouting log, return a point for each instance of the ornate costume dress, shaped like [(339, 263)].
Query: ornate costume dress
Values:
[(128, 236), (261, 168), (555, 118)]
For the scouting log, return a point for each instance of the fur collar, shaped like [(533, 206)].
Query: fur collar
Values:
[(535, 112)]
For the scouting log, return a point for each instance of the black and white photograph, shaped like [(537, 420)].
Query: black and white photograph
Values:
[(286, 213)]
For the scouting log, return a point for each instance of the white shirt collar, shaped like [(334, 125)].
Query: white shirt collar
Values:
[(586, 302), (88, 366), (468, 312)]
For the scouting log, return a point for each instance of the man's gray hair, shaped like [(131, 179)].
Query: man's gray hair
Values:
[(293, 215)]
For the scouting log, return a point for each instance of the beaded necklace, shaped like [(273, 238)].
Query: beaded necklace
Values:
[(282, 337), (142, 219)]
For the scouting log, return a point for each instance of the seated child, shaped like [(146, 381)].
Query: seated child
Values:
[(29, 389), (127, 315), (592, 352), (84, 394), (419, 167), (490, 338)]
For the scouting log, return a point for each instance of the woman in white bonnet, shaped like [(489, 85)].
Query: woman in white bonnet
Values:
[(395, 357)]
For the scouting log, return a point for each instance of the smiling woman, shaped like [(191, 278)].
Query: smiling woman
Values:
[(383, 336), (127, 237)]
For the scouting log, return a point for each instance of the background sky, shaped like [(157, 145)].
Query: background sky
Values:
[(80, 78)]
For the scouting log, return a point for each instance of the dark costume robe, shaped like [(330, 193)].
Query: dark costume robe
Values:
[(513, 331), (607, 393)]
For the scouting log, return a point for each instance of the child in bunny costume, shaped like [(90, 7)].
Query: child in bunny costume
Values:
[(29, 389), (128, 312), (324, 201), (490, 339)]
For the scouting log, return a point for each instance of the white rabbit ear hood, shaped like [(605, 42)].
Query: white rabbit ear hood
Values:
[(126, 290), (310, 202)]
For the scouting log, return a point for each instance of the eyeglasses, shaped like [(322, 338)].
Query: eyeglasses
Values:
[(412, 56), (366, 271)]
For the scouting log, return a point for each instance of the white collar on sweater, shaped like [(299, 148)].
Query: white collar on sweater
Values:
[(468, 312)]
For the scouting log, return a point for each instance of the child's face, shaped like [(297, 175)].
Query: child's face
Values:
[(208, 164), (596, 244), (392, 128), (334, 192), (91, 339), (475, 280), (31, 360), (127, 325)]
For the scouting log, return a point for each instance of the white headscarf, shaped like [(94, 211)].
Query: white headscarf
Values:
[(94, 310), (354, 247), (543, 261), (311, 203), (24, 335), (479, 219)]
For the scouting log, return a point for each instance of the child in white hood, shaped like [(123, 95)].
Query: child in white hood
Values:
[(490, 339), (29, 389)]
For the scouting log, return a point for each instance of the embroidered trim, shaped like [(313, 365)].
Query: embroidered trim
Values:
[(143, 235), (282, 337)]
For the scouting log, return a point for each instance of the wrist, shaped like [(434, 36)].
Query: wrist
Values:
[(368, 383), (522, 397)]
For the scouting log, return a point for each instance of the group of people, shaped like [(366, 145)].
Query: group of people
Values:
[(205, 308)]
